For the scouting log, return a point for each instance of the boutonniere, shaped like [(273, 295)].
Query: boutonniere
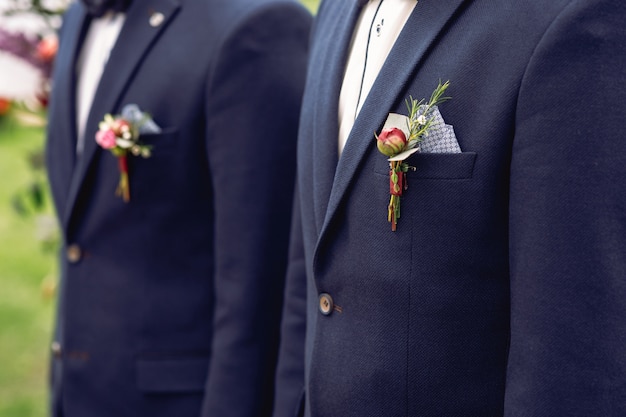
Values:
[(400, 138), (121, 134)]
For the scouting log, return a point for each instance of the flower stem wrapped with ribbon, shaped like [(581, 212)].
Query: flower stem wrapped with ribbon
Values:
[(400, 138), (120, 135)]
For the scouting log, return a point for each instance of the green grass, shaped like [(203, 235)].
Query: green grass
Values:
[(311, 4), (25, 314)]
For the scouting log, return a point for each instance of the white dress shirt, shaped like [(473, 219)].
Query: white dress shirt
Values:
[(99, 41), (377, 29)]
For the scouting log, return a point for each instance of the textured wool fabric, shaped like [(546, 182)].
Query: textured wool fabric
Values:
[(502, 292), (170, 303)]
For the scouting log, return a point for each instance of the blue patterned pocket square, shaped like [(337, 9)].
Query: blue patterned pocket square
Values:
[(440, 137)]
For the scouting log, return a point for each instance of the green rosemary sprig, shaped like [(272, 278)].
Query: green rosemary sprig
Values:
[(419, 122)]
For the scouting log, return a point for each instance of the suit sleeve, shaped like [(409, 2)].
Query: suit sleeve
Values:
[(568, 220), (290, 373), (253, 104)]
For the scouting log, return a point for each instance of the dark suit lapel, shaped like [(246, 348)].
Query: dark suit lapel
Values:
[(134, 41), (425, 23), (62, 144), (331, 58)]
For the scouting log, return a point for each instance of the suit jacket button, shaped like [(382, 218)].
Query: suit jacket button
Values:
[(73, 253), (326, 304), (56, 350)]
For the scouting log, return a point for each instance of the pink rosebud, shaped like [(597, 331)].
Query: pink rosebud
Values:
[(391, 141), (120, 126), (106, 138)]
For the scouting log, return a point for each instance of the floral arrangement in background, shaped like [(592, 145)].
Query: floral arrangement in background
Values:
[(37, 47), (38, 51), (35, 44)]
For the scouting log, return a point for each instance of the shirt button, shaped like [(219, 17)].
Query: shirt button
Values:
[(326, 304), (56, 350), (73, 253)]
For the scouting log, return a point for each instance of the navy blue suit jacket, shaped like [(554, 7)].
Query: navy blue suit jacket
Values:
[(170, 304), (503, 291)]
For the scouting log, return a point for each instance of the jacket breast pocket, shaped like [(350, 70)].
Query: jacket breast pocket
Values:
[(172, 375), (435, 166), (160, 143), (154, 177)]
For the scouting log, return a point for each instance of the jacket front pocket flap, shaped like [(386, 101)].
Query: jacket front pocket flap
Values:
[(435, 165), (172, 375)]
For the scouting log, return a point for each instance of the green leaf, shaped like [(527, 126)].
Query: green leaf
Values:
[(36, 193)]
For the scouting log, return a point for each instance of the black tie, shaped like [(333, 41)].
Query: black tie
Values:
[(98, 8)]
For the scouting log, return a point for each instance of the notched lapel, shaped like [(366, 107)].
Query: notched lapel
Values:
[(145, 21), (331, 59), (61, 146), (66, 83), (428, 19)]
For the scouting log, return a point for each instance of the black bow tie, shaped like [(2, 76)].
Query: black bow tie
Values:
[(364, 2), (98, 8)]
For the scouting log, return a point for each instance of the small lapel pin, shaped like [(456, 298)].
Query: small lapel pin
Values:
[(156, 19)]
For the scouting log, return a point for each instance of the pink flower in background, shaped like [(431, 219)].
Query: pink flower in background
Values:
[(33, 40), (27, 48), (106, 138), (47, 48), (36, 51)]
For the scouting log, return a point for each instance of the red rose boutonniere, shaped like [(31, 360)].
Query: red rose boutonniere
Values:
[(400, 138), (120, 134)]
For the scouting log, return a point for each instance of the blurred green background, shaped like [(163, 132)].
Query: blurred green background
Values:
[(26, 308), (311, 4), (27, 266)]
